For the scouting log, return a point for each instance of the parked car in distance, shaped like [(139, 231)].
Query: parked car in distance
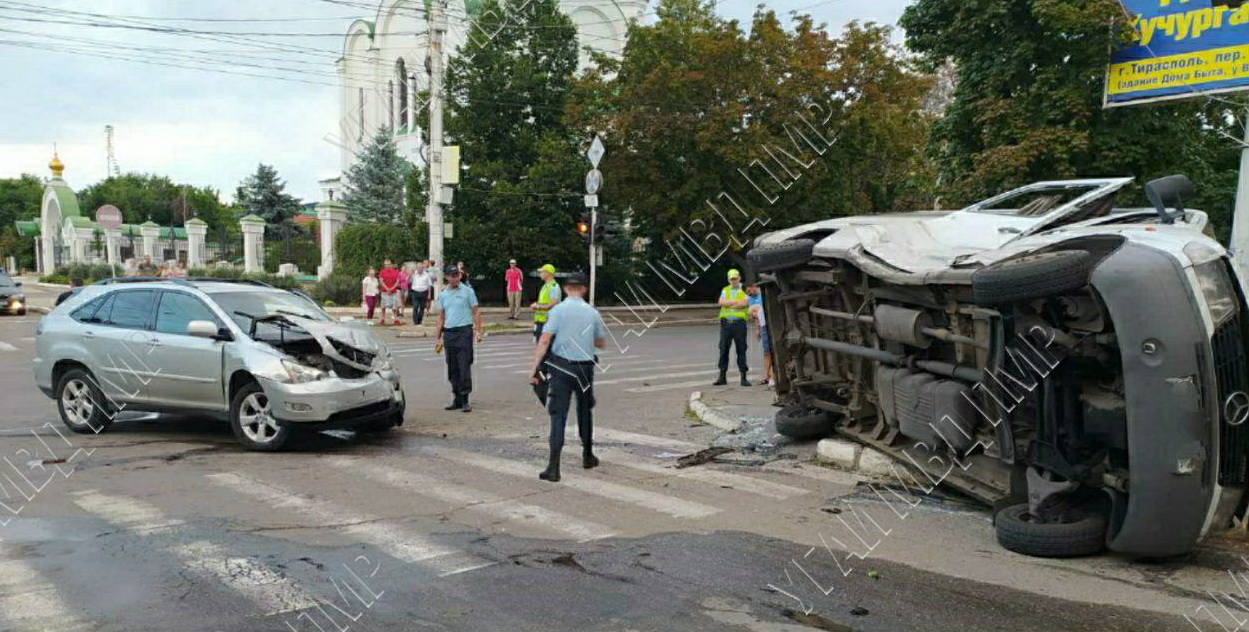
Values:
[(269, 361), (1079, 365), (12, 299)]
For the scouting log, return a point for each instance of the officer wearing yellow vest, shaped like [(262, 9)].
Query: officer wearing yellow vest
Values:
[(548, 297), (734, 313)]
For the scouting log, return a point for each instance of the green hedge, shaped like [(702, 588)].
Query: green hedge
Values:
[(338, 289), (88, 272), (224, 272), (360, 246)]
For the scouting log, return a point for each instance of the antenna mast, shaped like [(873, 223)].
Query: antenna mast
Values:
[(110, 167)]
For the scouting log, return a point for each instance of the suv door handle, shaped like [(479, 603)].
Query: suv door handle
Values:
[(88, 334)]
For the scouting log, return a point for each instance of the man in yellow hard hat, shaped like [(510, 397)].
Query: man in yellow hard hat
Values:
[(734, 313), (548, 297)]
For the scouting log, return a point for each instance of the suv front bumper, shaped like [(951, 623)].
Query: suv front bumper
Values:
[(335, 402)]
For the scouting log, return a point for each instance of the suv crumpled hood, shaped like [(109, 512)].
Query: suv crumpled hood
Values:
[(352, 345)]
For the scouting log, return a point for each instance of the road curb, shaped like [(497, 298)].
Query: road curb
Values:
[(853, 457), (708, 415)]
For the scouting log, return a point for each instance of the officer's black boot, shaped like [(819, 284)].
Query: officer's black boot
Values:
[(722, 380), (588, 460), (744, 382), (551, 473), (455, 404)]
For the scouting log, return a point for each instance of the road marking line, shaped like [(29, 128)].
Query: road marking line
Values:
[(28, 602), (272, 592), (603, 363), (672, 506), (4, 346), (398, 542), (655, 388), (476, 500), (820, 473), (713, 477), (657, 376), (501, 355), (643, 439)]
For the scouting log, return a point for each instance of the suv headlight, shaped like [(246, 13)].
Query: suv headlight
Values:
[(1216, 289), (299, 373)]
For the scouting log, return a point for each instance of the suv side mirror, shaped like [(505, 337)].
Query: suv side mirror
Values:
[(202, 329), (17, 283)]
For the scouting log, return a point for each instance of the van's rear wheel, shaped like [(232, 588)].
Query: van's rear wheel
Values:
[(1079, 533), (253, 422), (81, 403), (781, 255)]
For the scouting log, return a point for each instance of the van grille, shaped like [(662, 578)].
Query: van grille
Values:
[(1232, 371)]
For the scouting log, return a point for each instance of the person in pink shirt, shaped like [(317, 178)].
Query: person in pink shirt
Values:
[(515, 284), (405, 273)]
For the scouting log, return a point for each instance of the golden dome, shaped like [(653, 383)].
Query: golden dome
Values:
[(56, 166)]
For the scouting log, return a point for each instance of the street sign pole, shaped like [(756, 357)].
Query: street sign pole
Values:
[(593, 182)]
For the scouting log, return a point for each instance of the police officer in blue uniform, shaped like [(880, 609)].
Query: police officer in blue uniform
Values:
[(572, 332), (456, 321)]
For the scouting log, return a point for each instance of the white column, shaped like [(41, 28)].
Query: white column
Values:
[(253, 243), (332, 216), (149, 234), (196, 231)]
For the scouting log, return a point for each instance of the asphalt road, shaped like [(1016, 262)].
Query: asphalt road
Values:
[(165, 524)]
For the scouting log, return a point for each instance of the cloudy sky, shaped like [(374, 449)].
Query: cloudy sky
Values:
[(69, 75)]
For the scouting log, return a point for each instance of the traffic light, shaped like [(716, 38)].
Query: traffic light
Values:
[(583, 227), (600, 233)]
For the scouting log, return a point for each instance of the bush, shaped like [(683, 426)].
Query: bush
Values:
[(359, 246), (88, 272), (339, 289)]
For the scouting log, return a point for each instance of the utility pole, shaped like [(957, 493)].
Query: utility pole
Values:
[(433, 213), (593, 182)]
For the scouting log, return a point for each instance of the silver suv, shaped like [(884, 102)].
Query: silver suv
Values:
[(270, 361)]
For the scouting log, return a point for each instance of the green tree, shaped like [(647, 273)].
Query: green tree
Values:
[(97, 242), (264, 195), (141, 197), (374, 184), (1027, 103), (361, 246), (521, 173), (19, 200)]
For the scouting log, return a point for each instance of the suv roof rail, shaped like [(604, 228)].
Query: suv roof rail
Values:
[(140, 279), (224, 280)]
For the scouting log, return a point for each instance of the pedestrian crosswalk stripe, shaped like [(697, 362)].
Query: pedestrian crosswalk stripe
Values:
[(401, 543), (476, 500), (669, 505), (612, 369), (653, 376), (477, 355), (606, 362), (622, 436), (270, 591), (655, 388), (820, 473), (28, 602), (4, 346), (702, 474)]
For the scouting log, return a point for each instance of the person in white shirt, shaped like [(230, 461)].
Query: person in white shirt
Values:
[(369, 291), (419, 285)]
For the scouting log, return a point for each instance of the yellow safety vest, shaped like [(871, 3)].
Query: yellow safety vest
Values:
[(544, 300), (733, 313)]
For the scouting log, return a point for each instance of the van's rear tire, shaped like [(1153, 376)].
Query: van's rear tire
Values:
[(1031, 276), (781, 255), (1017, 531), (804, 423)]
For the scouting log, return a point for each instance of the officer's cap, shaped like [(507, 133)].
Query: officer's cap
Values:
[(548, 268), (451, 270), (734, 274), (575, 278)]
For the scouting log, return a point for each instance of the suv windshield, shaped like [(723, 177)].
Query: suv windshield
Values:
[(262, 304), (6, 282)]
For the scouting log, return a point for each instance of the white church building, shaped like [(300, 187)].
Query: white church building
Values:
[(384, 65)]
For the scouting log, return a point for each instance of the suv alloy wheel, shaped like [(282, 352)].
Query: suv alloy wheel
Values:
[(253, 422)]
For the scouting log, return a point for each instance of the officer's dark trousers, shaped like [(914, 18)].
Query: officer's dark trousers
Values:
[(732, 332), (457, 343), (537, 331), (569, 380)]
